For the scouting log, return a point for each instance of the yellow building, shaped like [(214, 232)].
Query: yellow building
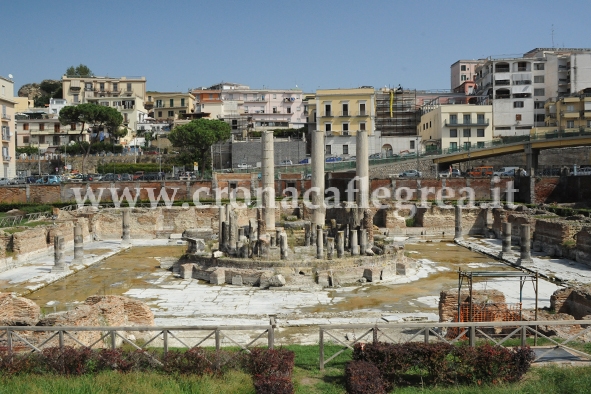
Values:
[(169, 105), (570, 113), (7, 104), (455, 126)]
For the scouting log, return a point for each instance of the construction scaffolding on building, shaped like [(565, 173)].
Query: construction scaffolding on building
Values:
[(397, 112)]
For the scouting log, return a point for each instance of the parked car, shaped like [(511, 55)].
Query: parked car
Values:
[(244, 166), (455, 173), (411, 174), (481, 171), (48, 180), (352, 158), (375, 156), (286, 163), (111, 177), (19, 180), (4, 181), (126, 177), (333, 159), (503, 170), (307, 160), (137, 175)]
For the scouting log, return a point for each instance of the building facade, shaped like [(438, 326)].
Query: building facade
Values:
[(463, 71), (7, 104), (169, 106)]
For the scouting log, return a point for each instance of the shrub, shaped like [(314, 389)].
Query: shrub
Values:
[(273, 385), (69, 361), (271, 362), (193, 361), (14, 364), (362, 377)]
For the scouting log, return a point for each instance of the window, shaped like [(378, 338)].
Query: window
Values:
[(101, 87), (540, 92), (56, 140), (345, 149), (25, 126), (327, 150), (41, 126), (467, 133), (467, 119), (274, 96), (480, 133), (159, 104), (518, 117), (570, 108), (171, 103), (518, 104), (288, 110), (328, 127), (327, 110), (539, 105), (345, 109), (345, 126), (76, 98), (115, 87), (540, 117), (538, 79), (25, 139), (361, 125), (538, 66), (104, 103), (129, 86), (244, 97), (463, 67), (453, 146), (464, 77), (362, 109), (467, 145), (171, 114), (56, 128), (41, 139), (570, 124), (88, 86), (275, 110), (159, 114), (480, 144), (182, 102), (412, 144), (72, 126), (589, 123), (453, 133), (480, 118), (453, 119)]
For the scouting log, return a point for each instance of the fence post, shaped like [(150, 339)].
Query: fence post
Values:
[(9, 341), (426, 334), (375, 334), (61, 339), (321, 349), (113, 340), (165, 335), (271, 337), (217, 339), (472, 336), (523, 335)]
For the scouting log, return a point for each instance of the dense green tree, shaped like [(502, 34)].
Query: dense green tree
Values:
[(196, 138), (81, 71), (100, 119)]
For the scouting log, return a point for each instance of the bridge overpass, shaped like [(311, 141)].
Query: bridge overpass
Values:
[(531, 145)]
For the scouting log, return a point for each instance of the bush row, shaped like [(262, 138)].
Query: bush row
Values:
[(433, 363), (271, 369)]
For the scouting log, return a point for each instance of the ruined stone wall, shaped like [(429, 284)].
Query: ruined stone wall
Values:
[(573, 301), (553, 233), (448, 301), (583, 245), (474, 220)]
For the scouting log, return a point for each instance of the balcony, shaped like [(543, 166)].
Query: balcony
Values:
[(252, 100), (6, 136), (363, 113), (345, 114), (479, 122), (570, 114), (563, 81), (6, 158), (327, 114), (502, 82), (503, 96), (6, 117)]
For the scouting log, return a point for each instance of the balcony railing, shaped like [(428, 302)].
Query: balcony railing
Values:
[(6, 117), (327, 114), (6, 136), (363, 113), (345, 113), (6, 158), (479, 122)]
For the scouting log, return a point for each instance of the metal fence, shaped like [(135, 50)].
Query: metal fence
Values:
[(471, 333), (11, 221)]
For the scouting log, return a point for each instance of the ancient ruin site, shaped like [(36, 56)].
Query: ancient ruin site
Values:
[(352, 264)]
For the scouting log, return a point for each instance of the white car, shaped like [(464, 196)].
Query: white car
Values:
[(286, 163), (4, 181), (243, 166)]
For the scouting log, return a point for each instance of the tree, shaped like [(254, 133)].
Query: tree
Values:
[(196, 138), (79, 71), (99, 117)]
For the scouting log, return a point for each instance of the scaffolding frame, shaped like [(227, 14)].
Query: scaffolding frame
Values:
[(470, 275)]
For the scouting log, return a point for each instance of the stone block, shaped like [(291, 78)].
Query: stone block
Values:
[(372, 274), (175, 236), (323, 279), (217, 277), (265, 280), (237, 280), (186, 271), (277, 281), (217, 254)]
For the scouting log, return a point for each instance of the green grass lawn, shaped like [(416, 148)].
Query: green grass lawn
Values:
[(307, 377)]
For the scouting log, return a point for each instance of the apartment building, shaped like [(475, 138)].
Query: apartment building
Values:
[(461, 125), (39, 128), (126, 94), (340, 113), (570, 113), (463, 71), (7, 104), (520, 87), (169, 106)]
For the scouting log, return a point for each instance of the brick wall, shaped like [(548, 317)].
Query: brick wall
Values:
[(251, 152)]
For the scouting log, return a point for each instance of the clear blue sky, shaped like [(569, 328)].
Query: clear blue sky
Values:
[(179, 45)]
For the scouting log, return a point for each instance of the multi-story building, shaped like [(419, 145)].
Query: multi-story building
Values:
[(169, 106), (340, 113), (249, 110), (7, 104), (570, 113), (36, 127), (519, 87), (126, 94), (463, 125), (463, 71)]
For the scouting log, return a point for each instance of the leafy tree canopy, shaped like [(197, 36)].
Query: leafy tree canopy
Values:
[(196, 138), (80, 71)]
